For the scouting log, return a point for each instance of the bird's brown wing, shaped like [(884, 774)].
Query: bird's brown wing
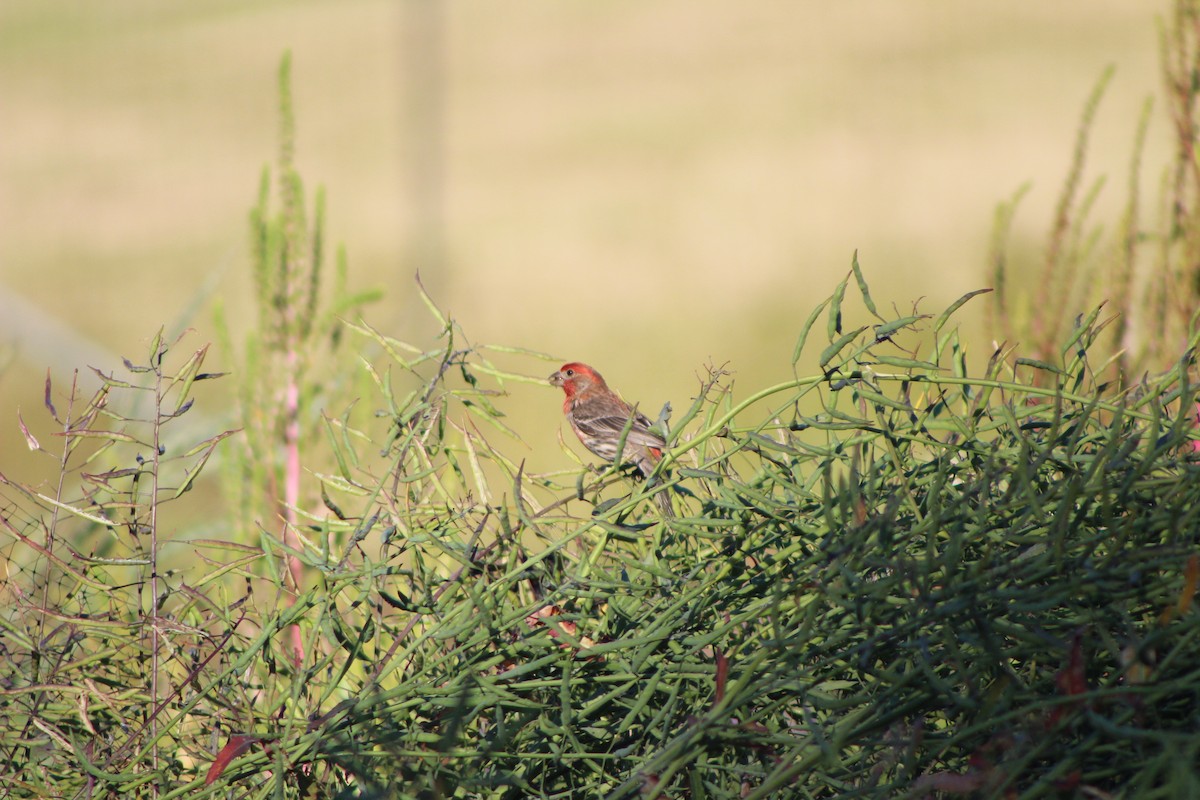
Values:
[(613, 425)]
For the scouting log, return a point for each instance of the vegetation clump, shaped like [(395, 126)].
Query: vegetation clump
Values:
[(894, 573)]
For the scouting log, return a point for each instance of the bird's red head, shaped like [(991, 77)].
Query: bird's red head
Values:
[(574, 378)]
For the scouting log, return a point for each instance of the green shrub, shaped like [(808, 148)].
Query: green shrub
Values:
[(889, 576), (934, 582)]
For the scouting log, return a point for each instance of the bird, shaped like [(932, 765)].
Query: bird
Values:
[(599, 417)]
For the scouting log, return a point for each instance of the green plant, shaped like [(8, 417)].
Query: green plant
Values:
[(98, 618), (287, 368), (939, 580), (937, 583), (1146, 275), (888, 576)]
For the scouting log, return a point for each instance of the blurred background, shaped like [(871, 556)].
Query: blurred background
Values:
[(648, 186)]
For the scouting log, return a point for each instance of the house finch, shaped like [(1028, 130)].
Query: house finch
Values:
[(599, 418)]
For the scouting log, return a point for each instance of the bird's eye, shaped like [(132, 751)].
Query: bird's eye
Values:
[(570, 373)]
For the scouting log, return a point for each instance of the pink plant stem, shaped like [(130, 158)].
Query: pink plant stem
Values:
[(291, 489), (1196, 442)]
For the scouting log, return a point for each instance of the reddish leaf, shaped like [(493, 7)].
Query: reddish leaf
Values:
[(1069, 782), (722, 676), (49, 404), (30, 440), (1071, 679), (236, 746)]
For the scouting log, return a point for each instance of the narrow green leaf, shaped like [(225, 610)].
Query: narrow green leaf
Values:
[(210, 442), (224, 544), (187, 373), (955, 306), (878, 398), (862, 286), (1081, 327), (1036, 364), (112, 436), (887, 329), (906, 363), (836, 347), (689, 472), (834, 325), (429, 304), (343, 485), (156, 350), (194, 471), (338, 445), (78, 512), (812, 319)]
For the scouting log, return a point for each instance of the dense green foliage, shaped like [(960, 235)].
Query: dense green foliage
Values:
[(898, 572), (891, 578)]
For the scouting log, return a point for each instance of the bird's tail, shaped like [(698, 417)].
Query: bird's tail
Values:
[(646, 465), (664, 502), (663, 498)]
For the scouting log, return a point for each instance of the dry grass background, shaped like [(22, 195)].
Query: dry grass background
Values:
[(644, 185)]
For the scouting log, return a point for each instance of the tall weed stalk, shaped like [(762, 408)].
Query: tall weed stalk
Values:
[(1147, 275), (286, 363)]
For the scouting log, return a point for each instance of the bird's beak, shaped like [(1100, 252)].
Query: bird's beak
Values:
[(556, 379)]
